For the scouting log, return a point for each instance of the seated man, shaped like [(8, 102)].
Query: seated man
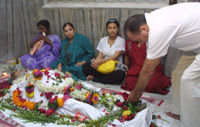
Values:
[(134, 58)]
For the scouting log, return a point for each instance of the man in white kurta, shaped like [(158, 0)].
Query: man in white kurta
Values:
[(177, 26)]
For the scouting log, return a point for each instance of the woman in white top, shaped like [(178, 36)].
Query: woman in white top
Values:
[(110, 47)]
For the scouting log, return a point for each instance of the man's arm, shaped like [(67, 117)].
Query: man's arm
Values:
[(144, 77)]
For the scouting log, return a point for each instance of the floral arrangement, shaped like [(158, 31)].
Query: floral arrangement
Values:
[(19, 101), (61, 80), (37, 74), (29, 90), (113, 103)]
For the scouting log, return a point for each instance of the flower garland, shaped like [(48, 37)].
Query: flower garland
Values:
[(19, 101), (54, 88), (35, 77), (77, 91), (53, 103)]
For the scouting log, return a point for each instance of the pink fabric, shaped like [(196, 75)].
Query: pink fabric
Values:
[(36, 46)]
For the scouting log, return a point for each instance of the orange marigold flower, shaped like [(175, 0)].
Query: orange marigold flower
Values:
[(60, 102), (35, 78)]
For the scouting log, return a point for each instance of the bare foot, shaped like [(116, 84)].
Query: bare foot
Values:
[(68, 74), (90, 77), (173, 115)]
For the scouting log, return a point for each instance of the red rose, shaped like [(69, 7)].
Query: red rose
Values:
[(41, 94), (159, 117), (129, 118), (125, 95), (46, 72), (125, 108), (48, 95), (107, 114), (62, 116), (132, 115), (57, 75), (50, 111), (21, 99), (120, 104), (42, 110), (53, 99)]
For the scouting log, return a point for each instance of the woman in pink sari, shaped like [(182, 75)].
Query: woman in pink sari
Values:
[(134, 58)]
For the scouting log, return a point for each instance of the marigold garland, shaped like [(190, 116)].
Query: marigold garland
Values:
[(21, 102)]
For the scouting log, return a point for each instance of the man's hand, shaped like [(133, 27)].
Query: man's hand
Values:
[(134, 96)]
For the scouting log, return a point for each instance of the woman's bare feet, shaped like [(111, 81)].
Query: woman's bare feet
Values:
[(173, 115), (90, 77), (68, 74)]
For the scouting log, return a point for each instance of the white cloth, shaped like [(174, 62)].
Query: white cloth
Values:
[(108, 51), (186, 59), (177, 26), (190, 95)]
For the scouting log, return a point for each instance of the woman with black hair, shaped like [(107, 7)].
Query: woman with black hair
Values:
[(45, 48), (76, 51), (110, 47)]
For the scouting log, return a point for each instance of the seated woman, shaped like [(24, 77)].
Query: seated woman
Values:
[(76, 51), (110, 47), (135, 55), (42, 57)]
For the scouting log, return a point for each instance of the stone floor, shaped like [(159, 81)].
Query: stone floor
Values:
[(165, 106)]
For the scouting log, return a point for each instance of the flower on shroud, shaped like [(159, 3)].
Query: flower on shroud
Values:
[(126, 114), (37, 74), (53, 99), (68, 90), (125, 108), (60, 102), (50, 111), (53, 103), (78, 86), (48, 95), (120, 104), (42, 110), (125, 95), (46, 72), (88, 97), (95, 98), (57, 75), (19, 101), (29, 90), (66, 76)]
